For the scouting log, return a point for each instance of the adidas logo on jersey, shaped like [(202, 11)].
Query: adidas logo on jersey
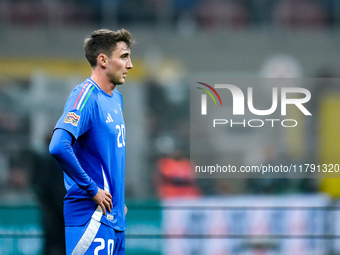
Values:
[(109, 118)]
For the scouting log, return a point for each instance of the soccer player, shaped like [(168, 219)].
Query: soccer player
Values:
[(88, 142)]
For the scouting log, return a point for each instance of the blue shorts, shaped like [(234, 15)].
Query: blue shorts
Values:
[(94, 238)]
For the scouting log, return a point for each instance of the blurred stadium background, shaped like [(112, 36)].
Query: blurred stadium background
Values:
[(41, 60)]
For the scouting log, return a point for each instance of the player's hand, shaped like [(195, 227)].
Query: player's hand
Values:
[(125, 209), (104, 200)]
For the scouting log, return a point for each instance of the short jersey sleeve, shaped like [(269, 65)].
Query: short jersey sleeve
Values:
[(78, 111)]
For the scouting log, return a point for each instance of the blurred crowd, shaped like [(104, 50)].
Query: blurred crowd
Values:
[(187, 14), (27, 171)]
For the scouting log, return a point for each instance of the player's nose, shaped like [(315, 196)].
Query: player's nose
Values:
[(129, 64)]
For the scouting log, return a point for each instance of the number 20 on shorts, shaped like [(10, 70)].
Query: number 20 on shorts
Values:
[(110, 244)]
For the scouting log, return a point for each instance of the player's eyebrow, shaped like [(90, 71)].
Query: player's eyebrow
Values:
[(124, 51)]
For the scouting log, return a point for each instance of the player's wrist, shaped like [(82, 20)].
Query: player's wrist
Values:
[(92, 189)]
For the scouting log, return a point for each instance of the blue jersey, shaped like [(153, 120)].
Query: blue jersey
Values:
[(95, 119)]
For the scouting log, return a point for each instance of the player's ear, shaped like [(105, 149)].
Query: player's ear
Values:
[(102, 60)]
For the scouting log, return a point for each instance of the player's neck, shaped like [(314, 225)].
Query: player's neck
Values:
[(103, 83)]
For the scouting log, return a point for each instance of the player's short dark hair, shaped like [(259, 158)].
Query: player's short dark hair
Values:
[(104, 41)]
